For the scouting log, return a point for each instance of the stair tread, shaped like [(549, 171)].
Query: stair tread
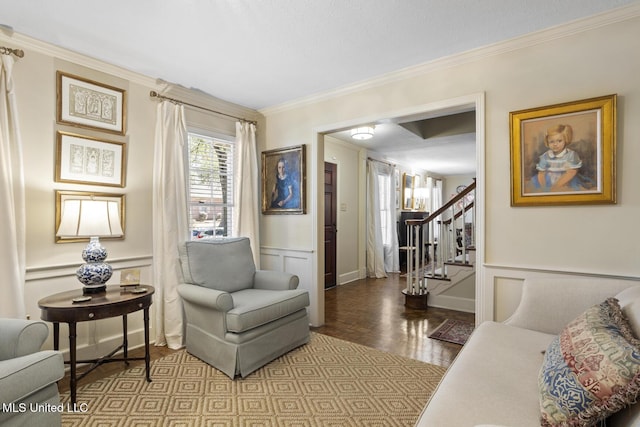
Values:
[(430, 276), (461, 264)]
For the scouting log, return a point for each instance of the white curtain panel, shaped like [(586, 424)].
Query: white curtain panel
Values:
[(392, 258), (170, 223), (12, 205), (375, 244), (246, 204)]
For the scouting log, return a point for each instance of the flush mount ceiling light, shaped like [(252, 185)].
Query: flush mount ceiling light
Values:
[(363, 132)]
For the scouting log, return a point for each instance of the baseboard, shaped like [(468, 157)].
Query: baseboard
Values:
[(349, 277), (467, 305)]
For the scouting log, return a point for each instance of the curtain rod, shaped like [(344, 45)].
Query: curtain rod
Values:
[(8, 51), (381, 161), (155, 94)]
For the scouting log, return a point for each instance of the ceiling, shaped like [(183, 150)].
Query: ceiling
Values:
[(267, 53), (443, 142)]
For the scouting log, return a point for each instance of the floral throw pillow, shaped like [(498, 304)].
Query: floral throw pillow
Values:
[(591, 370)]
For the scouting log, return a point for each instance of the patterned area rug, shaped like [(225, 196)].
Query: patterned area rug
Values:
[(328, 382), (455, 331)]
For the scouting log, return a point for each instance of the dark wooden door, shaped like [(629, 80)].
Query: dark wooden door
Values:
[(330, 221)]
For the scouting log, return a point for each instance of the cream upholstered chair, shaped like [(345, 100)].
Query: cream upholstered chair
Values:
[(28, 376), (238, 318)]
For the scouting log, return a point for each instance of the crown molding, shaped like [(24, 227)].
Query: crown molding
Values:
[(31, 44), (568, 29)]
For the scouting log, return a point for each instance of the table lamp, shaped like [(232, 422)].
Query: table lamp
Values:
[(93, 219)]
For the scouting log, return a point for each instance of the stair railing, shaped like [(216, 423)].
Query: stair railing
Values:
[(423, 249), (467, 239)]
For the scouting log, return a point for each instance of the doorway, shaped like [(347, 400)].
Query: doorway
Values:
[(474, 102), (330, 225)]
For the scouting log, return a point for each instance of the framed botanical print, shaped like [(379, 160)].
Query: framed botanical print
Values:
[(564, 154), (284, 181), (89, 104), (85, 160)]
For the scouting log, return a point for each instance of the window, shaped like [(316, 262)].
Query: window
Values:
[(210, 192)]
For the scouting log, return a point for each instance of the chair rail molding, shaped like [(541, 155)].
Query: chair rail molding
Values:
[(44, 272)]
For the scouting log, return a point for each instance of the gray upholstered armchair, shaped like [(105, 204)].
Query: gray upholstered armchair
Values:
[(239, 318), (28, 376)]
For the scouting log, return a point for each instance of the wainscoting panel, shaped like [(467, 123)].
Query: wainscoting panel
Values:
[(294, 261), (503, 287)]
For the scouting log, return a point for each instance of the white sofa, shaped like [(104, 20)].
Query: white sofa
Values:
[(494, 379)]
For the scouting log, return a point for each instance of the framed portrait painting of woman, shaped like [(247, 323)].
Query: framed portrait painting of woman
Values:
[(564, 154), (284, 181)]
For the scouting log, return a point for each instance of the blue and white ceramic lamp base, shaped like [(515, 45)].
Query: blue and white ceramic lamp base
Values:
[(95, 273)]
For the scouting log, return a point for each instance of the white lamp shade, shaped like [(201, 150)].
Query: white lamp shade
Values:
[(89, 218)]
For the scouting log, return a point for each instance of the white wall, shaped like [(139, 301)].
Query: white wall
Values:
[(451, 182), (51, 266), (587, 59)]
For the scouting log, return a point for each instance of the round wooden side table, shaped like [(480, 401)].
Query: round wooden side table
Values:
[(114, 301)]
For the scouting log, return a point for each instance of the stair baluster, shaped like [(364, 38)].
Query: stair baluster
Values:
[(437, 251)]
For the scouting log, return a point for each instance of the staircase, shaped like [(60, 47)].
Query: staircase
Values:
[(446, 257)]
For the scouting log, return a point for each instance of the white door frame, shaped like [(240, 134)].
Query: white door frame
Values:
[(316, 170)]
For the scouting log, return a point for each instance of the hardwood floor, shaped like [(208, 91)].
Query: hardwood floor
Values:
[(370, 312)]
